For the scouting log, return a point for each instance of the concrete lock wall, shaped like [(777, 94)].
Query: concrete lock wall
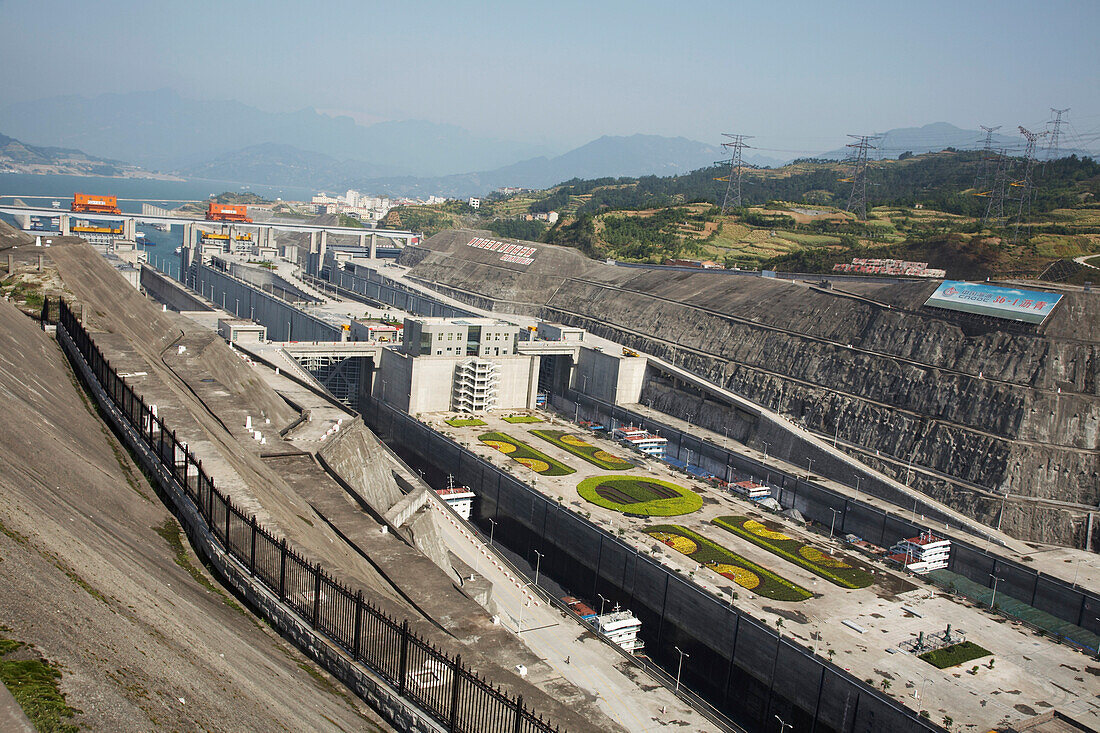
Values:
[(737, 663), (381, 290), (284, 322), (1053, 595), (169, 292)]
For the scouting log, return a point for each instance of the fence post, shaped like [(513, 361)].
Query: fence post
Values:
[(358, 624), (518, 726), (282, 570), (456, 683), (228, 514), (252, 547), (403, 664), (316, 595)]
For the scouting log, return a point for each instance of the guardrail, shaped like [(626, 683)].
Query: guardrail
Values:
[(436, 683)]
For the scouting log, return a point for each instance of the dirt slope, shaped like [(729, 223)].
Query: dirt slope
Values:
[(94, 577)]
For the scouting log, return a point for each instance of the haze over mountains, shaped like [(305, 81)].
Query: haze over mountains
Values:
[(230, 141)]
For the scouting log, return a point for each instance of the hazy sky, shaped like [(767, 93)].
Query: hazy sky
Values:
[(799, 75)]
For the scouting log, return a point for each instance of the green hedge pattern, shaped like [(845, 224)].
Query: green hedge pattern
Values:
[(465, 422), (846, 576), (586, 451), (524, 453), (758, 579), (522, 419)]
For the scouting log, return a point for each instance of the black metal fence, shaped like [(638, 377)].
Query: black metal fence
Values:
[(435, 682)]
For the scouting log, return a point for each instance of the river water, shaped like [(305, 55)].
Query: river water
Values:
[(42, 190)]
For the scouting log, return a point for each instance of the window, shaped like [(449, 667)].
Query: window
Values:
[(439, 352), (440, 337)]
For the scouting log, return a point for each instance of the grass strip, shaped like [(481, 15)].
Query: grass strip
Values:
[(790, 549), (584, 450), (35, 685), (955, 654), (465, 422), (514, 419)]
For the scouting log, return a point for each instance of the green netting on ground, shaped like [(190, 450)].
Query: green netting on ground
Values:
[(1015, 607)]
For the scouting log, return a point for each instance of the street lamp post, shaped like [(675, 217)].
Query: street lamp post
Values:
[(602, 602), (783, 726), (831, 523), (537, 563), (680, 666), (858, 477), (809, 467), (1000, 516), (492, 529), (765, 451), (925, 681), (993, 598)]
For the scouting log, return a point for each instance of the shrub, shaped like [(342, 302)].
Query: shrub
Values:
[(639, 495)]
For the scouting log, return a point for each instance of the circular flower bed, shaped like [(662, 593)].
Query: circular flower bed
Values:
[(639, 495)]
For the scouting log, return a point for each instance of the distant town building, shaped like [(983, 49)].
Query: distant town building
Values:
[(475, 203)]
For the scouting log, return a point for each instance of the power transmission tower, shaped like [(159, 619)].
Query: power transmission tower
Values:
[(995, 208), (1056, 133), (987, 156), (857, 201), (735, 145), (1025, 184)]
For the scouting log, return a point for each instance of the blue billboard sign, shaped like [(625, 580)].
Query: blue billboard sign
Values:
[(1029, 306)]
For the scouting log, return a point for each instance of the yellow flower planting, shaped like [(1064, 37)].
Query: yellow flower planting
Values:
[(760, 530)]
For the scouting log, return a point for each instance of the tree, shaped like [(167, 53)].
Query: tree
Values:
[(947, 721)]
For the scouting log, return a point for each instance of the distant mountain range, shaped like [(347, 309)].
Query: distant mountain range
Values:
[(17, 156), (230, 141), (164, 131)]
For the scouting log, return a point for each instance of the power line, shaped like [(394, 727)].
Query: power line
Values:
[(857, 201), (735, 145)]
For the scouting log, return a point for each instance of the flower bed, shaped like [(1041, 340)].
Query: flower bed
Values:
[(955, 654), (525, 455), (728, 564), (522, 419), (583, 449), (639, 495), (464, 422), (834, 569)]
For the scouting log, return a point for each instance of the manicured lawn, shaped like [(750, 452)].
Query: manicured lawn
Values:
[(525, 455), (728, 564), (464, 422), (583, 449), (955, 654), (834, 569), (522, 419), (639, 495)]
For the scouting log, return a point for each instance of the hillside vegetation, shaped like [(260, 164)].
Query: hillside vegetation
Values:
[(928, 208)]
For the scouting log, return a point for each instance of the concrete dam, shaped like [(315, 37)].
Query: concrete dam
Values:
[(1000, 423)]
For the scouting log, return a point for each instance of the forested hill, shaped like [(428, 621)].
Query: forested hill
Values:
[(943, 181)]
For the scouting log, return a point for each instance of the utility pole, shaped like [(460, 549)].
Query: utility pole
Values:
[(735, 146), (857, 201)]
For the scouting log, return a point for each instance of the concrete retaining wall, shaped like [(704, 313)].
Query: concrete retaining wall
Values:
[(738, 664)]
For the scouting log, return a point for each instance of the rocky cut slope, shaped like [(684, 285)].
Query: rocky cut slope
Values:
[(979, 411)]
